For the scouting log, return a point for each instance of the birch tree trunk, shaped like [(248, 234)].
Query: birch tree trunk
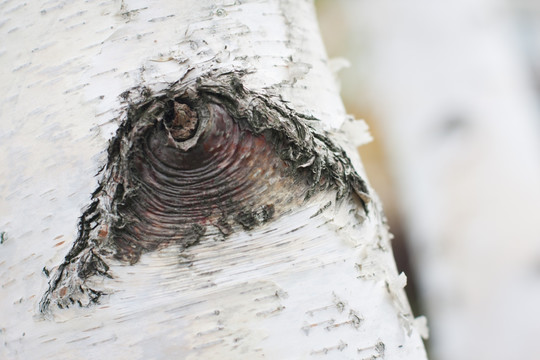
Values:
[(296, 263)]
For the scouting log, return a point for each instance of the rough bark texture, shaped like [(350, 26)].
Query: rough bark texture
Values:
[(294, 278)]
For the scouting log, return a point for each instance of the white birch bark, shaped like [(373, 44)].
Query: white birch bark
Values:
[(300, 286), (451, 92)]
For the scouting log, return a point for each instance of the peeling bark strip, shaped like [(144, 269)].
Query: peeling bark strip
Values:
[(198, 160)]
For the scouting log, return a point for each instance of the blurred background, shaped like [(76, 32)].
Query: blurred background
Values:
[(451, 92)]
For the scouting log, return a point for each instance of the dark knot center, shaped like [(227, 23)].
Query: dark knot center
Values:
[(181, 121)]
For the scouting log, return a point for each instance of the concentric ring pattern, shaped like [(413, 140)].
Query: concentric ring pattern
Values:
[(229, 177)]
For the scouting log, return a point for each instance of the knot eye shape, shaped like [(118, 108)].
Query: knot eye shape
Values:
[(198, 162)]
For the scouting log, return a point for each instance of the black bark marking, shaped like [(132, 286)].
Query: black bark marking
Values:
[(199, 155), (252, 218)]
